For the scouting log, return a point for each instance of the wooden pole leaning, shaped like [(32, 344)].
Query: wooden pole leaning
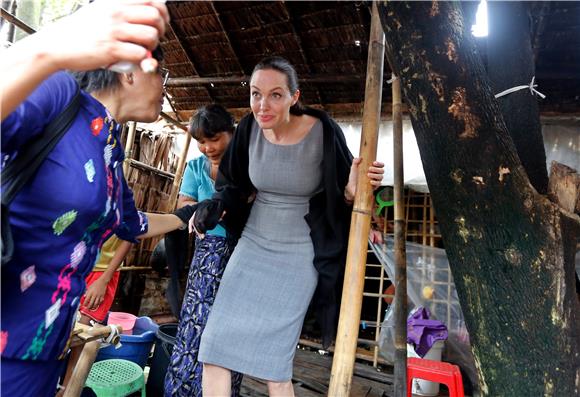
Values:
[(178, 174), (129, 147), (400, 373), (352, 293), (90, 338)]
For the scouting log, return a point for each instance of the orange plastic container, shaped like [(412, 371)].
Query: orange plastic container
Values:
[(125, 320)]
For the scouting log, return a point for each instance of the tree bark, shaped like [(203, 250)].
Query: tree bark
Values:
[(510, 62), (505, 242)]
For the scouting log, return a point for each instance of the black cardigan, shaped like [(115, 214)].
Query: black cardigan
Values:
[(328, 216)]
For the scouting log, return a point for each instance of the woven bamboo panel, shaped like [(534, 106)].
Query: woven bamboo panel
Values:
[(151, 190)]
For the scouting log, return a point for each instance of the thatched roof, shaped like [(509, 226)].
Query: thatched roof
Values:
[(212, 47)]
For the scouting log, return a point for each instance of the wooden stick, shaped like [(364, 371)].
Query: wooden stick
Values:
[(82, 369), (17, 22), (129, 146), (176, 123), (352, 293), (148, 167), (400, 257), (178, 175), (195, 81)]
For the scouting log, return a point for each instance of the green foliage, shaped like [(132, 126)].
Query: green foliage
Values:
[(39, 13), (52, 10)]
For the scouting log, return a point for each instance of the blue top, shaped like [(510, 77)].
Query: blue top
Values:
[(60, 219), (198, 185)]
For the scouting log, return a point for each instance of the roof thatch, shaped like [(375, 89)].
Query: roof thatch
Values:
[(212, 47)]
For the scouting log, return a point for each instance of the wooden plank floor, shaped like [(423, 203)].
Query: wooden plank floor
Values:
[(312, 375)]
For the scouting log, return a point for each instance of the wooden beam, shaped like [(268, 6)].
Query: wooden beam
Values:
[(172, 202), (354, 276), (178, 124), (15, 21), (187, 53), (298, 38), (316, 78), (147, 167), (129, 146), (227, 36)]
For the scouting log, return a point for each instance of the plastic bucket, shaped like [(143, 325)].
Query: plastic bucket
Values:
[(136, 347), (163, 349), (125, 320), (424, 387)]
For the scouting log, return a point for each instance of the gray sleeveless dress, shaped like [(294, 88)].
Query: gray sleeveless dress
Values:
[(257, 316)]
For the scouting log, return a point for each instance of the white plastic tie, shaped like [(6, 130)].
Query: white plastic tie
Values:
[(532, 87), (390, 81)]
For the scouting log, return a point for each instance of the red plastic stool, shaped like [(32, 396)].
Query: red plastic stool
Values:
[(435, 371)]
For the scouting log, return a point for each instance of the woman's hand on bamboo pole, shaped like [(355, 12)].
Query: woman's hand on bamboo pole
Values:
[(375, 174)]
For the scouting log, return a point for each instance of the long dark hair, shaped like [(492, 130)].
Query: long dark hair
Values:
[(209, 121), (283, 66)]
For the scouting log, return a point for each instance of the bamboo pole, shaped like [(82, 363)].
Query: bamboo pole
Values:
[(400, 373), (178, 174), (191, 81), (176, 123), (15, 21), (129, 146), (352, 294)]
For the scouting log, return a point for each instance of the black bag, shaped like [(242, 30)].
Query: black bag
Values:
[(22, 168)]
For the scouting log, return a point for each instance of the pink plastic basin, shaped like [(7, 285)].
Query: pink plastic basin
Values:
[(125, 320)]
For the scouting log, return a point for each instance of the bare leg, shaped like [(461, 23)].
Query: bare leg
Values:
[(216, 381), (281, 389)]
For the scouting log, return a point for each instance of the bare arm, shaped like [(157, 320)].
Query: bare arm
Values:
[(161, 224), (185, 200), (96, 291), (117, 259), (98, 35)]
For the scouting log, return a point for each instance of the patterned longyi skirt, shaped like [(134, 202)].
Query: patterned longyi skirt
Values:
[(207, 266)]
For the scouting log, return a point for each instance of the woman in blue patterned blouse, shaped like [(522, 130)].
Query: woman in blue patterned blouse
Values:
[(78, 197)]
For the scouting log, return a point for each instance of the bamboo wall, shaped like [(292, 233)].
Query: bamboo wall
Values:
[(150, 177)]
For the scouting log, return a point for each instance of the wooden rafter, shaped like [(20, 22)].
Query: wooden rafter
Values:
[(298, 38), (187, 53), (318, 78), (17, 22), (226, 35)]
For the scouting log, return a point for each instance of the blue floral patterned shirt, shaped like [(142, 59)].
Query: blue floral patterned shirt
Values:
[(60, 219)]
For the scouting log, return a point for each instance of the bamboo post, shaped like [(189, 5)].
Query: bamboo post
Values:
[(352, 294), (178, 174), (129, 146), (400, 373)]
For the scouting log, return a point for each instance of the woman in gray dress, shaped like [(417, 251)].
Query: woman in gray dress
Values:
[(286, 184)]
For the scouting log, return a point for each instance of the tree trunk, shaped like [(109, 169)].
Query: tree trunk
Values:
[(505, 242), (510, 62)]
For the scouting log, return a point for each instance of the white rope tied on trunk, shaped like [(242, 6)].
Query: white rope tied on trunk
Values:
[(390, 81), (532, 87)]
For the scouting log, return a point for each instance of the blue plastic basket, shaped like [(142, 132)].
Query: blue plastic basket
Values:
[(136, 347)]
